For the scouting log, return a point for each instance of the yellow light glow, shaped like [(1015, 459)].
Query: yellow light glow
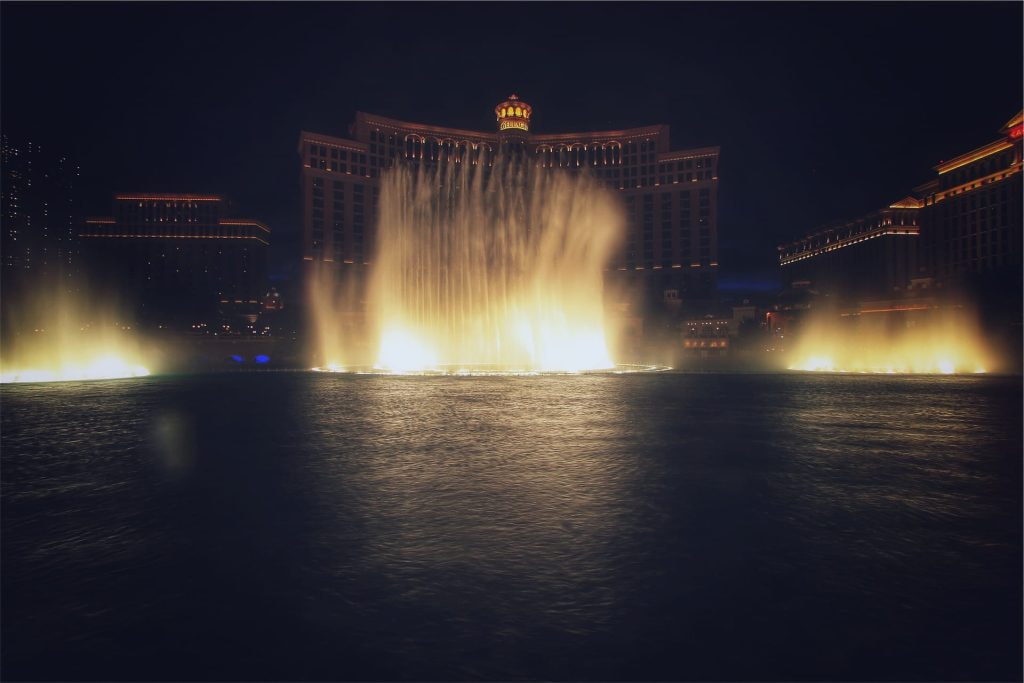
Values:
[(464, 285), (168, 198), (906, 341), (815, 364), (52, 335), (330, 367), (103, 367), (980, 153), (401, 352)]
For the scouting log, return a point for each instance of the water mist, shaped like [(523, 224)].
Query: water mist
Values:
[(488, 268)]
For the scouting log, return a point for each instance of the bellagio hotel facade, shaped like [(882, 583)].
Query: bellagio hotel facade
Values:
[(670, 196)]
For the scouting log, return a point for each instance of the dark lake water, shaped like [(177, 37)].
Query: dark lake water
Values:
[(305, 526)]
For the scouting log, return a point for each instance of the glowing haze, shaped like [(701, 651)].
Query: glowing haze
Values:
[(490, 268), (56, 336), (931, 341)]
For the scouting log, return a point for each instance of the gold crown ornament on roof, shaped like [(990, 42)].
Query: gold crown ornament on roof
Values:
[(513, 113)]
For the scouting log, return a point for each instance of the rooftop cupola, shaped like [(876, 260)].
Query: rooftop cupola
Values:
[(513, 114)]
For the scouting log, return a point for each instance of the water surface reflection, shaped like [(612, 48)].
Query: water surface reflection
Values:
[(316, 526)]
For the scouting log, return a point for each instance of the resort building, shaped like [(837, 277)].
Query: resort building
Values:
[(670, 195), (960, 228), (971, 212), (179, 255), (871, 256)]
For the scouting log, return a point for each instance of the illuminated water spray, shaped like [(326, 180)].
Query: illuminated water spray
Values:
[(491, 267), (482, 263), (931, 340), (52, 335)]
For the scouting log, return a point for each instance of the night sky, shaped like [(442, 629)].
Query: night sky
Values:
[(823, 111)]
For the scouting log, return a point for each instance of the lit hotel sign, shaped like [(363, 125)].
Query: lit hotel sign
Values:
[(513, 123)]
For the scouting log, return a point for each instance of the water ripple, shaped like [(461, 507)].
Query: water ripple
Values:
[(316, 526)]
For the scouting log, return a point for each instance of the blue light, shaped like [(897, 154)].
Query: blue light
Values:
[(238, 359), (262, 359)]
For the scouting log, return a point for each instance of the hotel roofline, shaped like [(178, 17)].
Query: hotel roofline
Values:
[(166, 197), (927, 193), (109, 227), (847, 233), (368, 121), (338, 219), (1012, 132), (109, 220)]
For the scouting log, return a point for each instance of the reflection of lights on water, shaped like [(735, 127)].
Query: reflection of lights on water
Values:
[(484, 371), (919, 367), (330, 367), (104, 367)]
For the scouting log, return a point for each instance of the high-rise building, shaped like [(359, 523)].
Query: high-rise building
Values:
[(40, 215), (971, 211), (178, 256), (670, 196)]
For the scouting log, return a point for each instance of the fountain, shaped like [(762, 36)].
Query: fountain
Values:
[(54, 335), (921, 340), (492, 268), (485, 265)]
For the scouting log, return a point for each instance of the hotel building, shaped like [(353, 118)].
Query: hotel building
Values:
[(962, 226), (971, 218), (179, 254), (872, 256), (670, 196)]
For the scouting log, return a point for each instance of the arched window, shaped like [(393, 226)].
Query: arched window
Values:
[(578, 154), (615, 153)]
